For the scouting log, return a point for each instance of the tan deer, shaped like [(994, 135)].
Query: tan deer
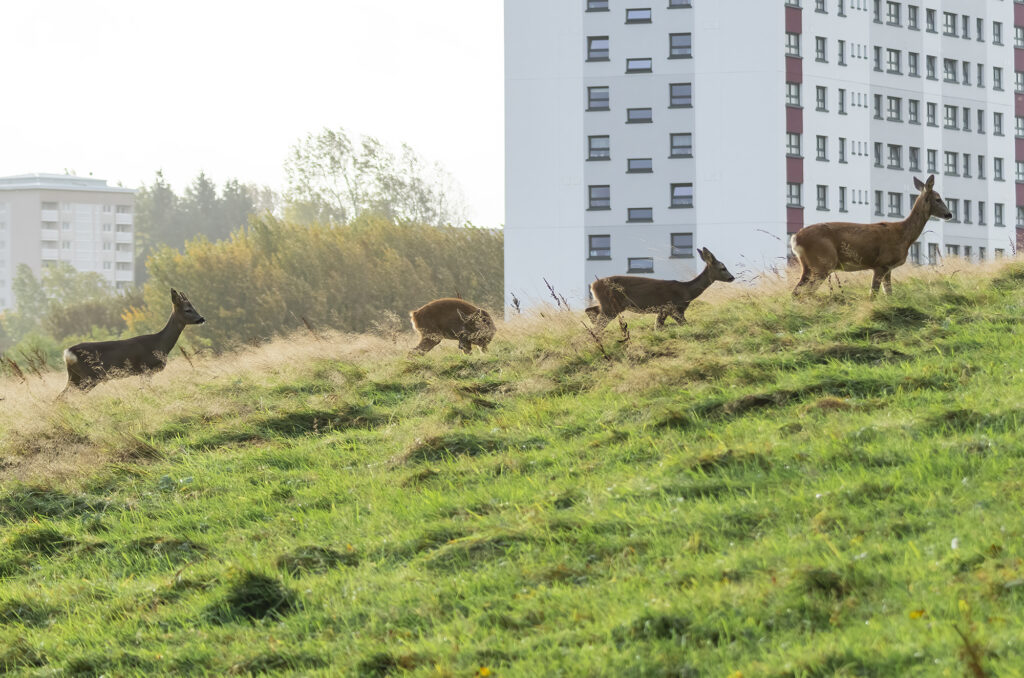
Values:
[(91, 362), (452, 319), (881, 247), (667, 298)]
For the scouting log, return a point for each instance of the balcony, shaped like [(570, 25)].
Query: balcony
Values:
[(50, 253), (49, 234), (124, 276), (124, 257), (123, 236), (49, 215), (124, 219)]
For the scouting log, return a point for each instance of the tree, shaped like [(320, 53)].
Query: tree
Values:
[(333, 179)]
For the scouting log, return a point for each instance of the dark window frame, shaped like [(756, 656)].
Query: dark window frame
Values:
[(594, 204), (591, 248), (631, 268), (673, 247), (636, 215)]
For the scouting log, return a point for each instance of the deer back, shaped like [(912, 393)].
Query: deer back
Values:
[(853, 247), (617, 293)]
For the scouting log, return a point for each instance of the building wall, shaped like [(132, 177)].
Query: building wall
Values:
[(78, 220), (739, 120)]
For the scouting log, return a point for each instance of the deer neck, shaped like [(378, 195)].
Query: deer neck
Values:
[(703, 281), (168, 336), (915, 221)]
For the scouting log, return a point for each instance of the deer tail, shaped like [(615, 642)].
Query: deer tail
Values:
[(69, 357)]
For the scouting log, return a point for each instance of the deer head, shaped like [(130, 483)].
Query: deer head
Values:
[(184, 308), (936, 208), (716, 269)]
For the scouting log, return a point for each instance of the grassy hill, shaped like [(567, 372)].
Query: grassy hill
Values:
[(828, 487)]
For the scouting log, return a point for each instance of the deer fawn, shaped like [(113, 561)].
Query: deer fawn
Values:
[(667, 298), (881, 247), (452, 319), (91, 362)]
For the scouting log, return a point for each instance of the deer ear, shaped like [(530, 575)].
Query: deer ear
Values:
[(175, 297), (918, 184), (930, 182)]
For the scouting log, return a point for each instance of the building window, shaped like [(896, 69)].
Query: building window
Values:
[(981, 167), (793, 144), (954, 208), (639, 115), (878, 58), (933, 161), (680, 95), (640, 265), (639, 165), (878, 106), (820, 98), (966, 117), (600, 197), (912, 18), (597, 99), (981, 254), (1020, 222), (682, 245), (950, 116), (997, 169), (997, 33), (967, 211), (952, 250), (981, 75), (645, 214), (895, 204), (842, 150), (895, 156), (949, 70), (929, 65), (680, 46), (965, 27), (878, 11), (793, 44), (952, 160), (819, 6), (967, 165), (1018, 125), (599, 148), (997, 215), (842, 52), (638, 16), (914, 159), (680, 145), (981, 212), (915, 253), (679, 3), (822, 194), (929, 20), (597, 5), (821, 146), (949, 23), (997, 78), (965, 72), (819, 49), (895, 109), (792, 94), (597, 48), (878, 154), (892, 61), (933, 253), (842, 198), (842, 101), (997, 124), (600, 247), (1018, 81), (793, 198), (878, 203), (1018, 37), (682, 195), (892, 13), (912, 64), (914, 111), (642, 65), (981, 121)]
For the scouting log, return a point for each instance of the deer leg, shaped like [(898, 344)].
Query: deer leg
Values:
[(464, 345), (593, 312), (662, 314), (887, 282), (805, 277), (601, 322), (876, 281), (426, 343)]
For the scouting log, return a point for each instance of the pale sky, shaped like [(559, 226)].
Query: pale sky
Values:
[(122, 88)]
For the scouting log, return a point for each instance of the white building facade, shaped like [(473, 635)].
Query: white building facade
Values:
[(47, 218), (636, 134)]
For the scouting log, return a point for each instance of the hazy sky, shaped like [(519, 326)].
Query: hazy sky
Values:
[(121, 88)]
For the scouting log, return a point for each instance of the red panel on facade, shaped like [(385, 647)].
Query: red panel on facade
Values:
[(795, 68), (1018, 59), (1018, 15), (794, 219), (1019, 147), (1018, 104), (794, 120), (794, 170), (1020, 195), (794, 19)]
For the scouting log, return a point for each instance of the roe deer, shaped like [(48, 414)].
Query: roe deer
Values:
[(452, 319), (94, 361), (881, 247), (619, 293)]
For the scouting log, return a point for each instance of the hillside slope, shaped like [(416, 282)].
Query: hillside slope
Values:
[(779, 488)]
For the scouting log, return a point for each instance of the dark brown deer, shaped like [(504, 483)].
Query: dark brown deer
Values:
[(452, 319), (881, 247), (91, 362), (667, 298)]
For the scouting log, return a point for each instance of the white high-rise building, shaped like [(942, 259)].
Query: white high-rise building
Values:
[(46, 218), (636, 133)]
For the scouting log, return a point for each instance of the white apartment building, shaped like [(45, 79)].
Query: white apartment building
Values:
[(636, 133), (46, 218)]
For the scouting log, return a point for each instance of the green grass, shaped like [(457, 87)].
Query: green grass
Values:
[(774, 489)]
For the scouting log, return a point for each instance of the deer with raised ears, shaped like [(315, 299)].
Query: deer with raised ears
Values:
[(91, 362), (667, 298), (839, 246)]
